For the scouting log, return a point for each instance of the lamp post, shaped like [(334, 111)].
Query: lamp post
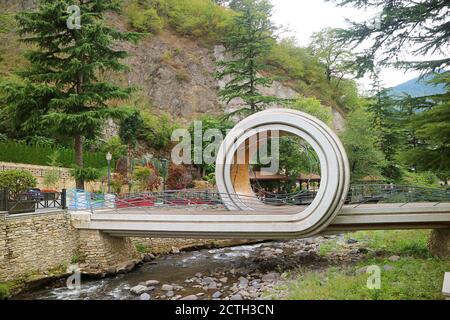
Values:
[(165, 169), (109, 158)]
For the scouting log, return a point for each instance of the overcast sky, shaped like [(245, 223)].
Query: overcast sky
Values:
[(304, 17)]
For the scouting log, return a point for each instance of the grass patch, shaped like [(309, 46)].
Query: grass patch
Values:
[(4, 291), (141, 248), (328, 247), (400, 242), (416, 276)]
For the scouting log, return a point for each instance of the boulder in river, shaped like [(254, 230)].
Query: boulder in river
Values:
[(167, 287), (191, 297), (145, 297), (152, 283), (138, 290)]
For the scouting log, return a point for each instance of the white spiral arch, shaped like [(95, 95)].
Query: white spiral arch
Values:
[(335, 177)]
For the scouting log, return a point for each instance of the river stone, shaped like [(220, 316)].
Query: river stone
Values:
[(138, 290), (223, 280), (175, 250), (191, 297), (217, 295), (394, 258), (256, 284), (145, 297), (271, 277), (236, 297), (352, 241), (243, 283), (167, 287), (152, 283), (170, 294), (148, 257), (388, 268)]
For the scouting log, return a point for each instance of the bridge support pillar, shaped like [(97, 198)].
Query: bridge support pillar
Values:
[(103, 254), (439, 243)]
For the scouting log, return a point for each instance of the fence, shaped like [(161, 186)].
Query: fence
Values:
[(31, 201)]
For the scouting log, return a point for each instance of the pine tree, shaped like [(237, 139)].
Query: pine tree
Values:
[(248, 44), (63, 86), (385, 120)]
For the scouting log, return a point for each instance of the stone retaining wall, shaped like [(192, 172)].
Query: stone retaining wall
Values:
[(32, 244)]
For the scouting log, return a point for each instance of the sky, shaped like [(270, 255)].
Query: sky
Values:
[(304, 17)]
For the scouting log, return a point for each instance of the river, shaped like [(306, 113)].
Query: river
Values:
[(237, 273)]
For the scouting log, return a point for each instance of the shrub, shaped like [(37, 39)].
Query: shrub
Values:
[(144, 19), (179, 178), (4, 291), (313, 107), (158, 130), (17, 181), (87, 174), (147, 178), (20, 152)]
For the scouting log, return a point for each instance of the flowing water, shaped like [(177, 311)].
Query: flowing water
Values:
[(242, 272)]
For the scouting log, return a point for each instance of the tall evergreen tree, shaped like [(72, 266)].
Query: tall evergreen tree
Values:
[(63, 86), (248, 44), (385, 120), (422, 26)]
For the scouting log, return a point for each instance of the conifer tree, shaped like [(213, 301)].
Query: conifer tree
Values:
[(248, 44), (72, 45)]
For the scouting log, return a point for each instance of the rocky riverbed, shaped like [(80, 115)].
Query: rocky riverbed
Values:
[(247, 272)]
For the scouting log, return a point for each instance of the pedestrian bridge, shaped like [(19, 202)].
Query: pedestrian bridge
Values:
[(237, 211)]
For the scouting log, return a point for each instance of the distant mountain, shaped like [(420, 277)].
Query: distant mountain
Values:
[(417, 88)]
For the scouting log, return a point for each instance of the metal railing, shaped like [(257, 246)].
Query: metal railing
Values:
[(28, 202), (401, 194), (191, 199)]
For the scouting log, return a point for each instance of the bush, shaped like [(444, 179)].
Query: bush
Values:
[(179, 178), (17, 181), (4, 291), (144, 19), (147, 178), (87, 174), (158, 130), (313, 107), (19, 152)]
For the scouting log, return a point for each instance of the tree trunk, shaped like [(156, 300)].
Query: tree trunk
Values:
[(79, 159)]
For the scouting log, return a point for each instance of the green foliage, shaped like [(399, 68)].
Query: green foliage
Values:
[(337, 59), (386, 123), (400, 25), (360, 142), (39, 155), (313, 107), (199, 18), (143, 18), (86, 174), (115, 147), (129, 128), (415, 276), (147, 178), (157, 130), (420, 179), (17, 181), (248, 44), (4, 291), (209, 123), (62, 88), (140, 247)]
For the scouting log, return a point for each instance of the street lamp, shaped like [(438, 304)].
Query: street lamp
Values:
[(109, 158), (165, 172)]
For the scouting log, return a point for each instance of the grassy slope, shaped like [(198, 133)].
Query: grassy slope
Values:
[(416, 275)]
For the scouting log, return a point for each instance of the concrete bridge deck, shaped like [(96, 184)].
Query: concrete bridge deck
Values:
[(219, 224)]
